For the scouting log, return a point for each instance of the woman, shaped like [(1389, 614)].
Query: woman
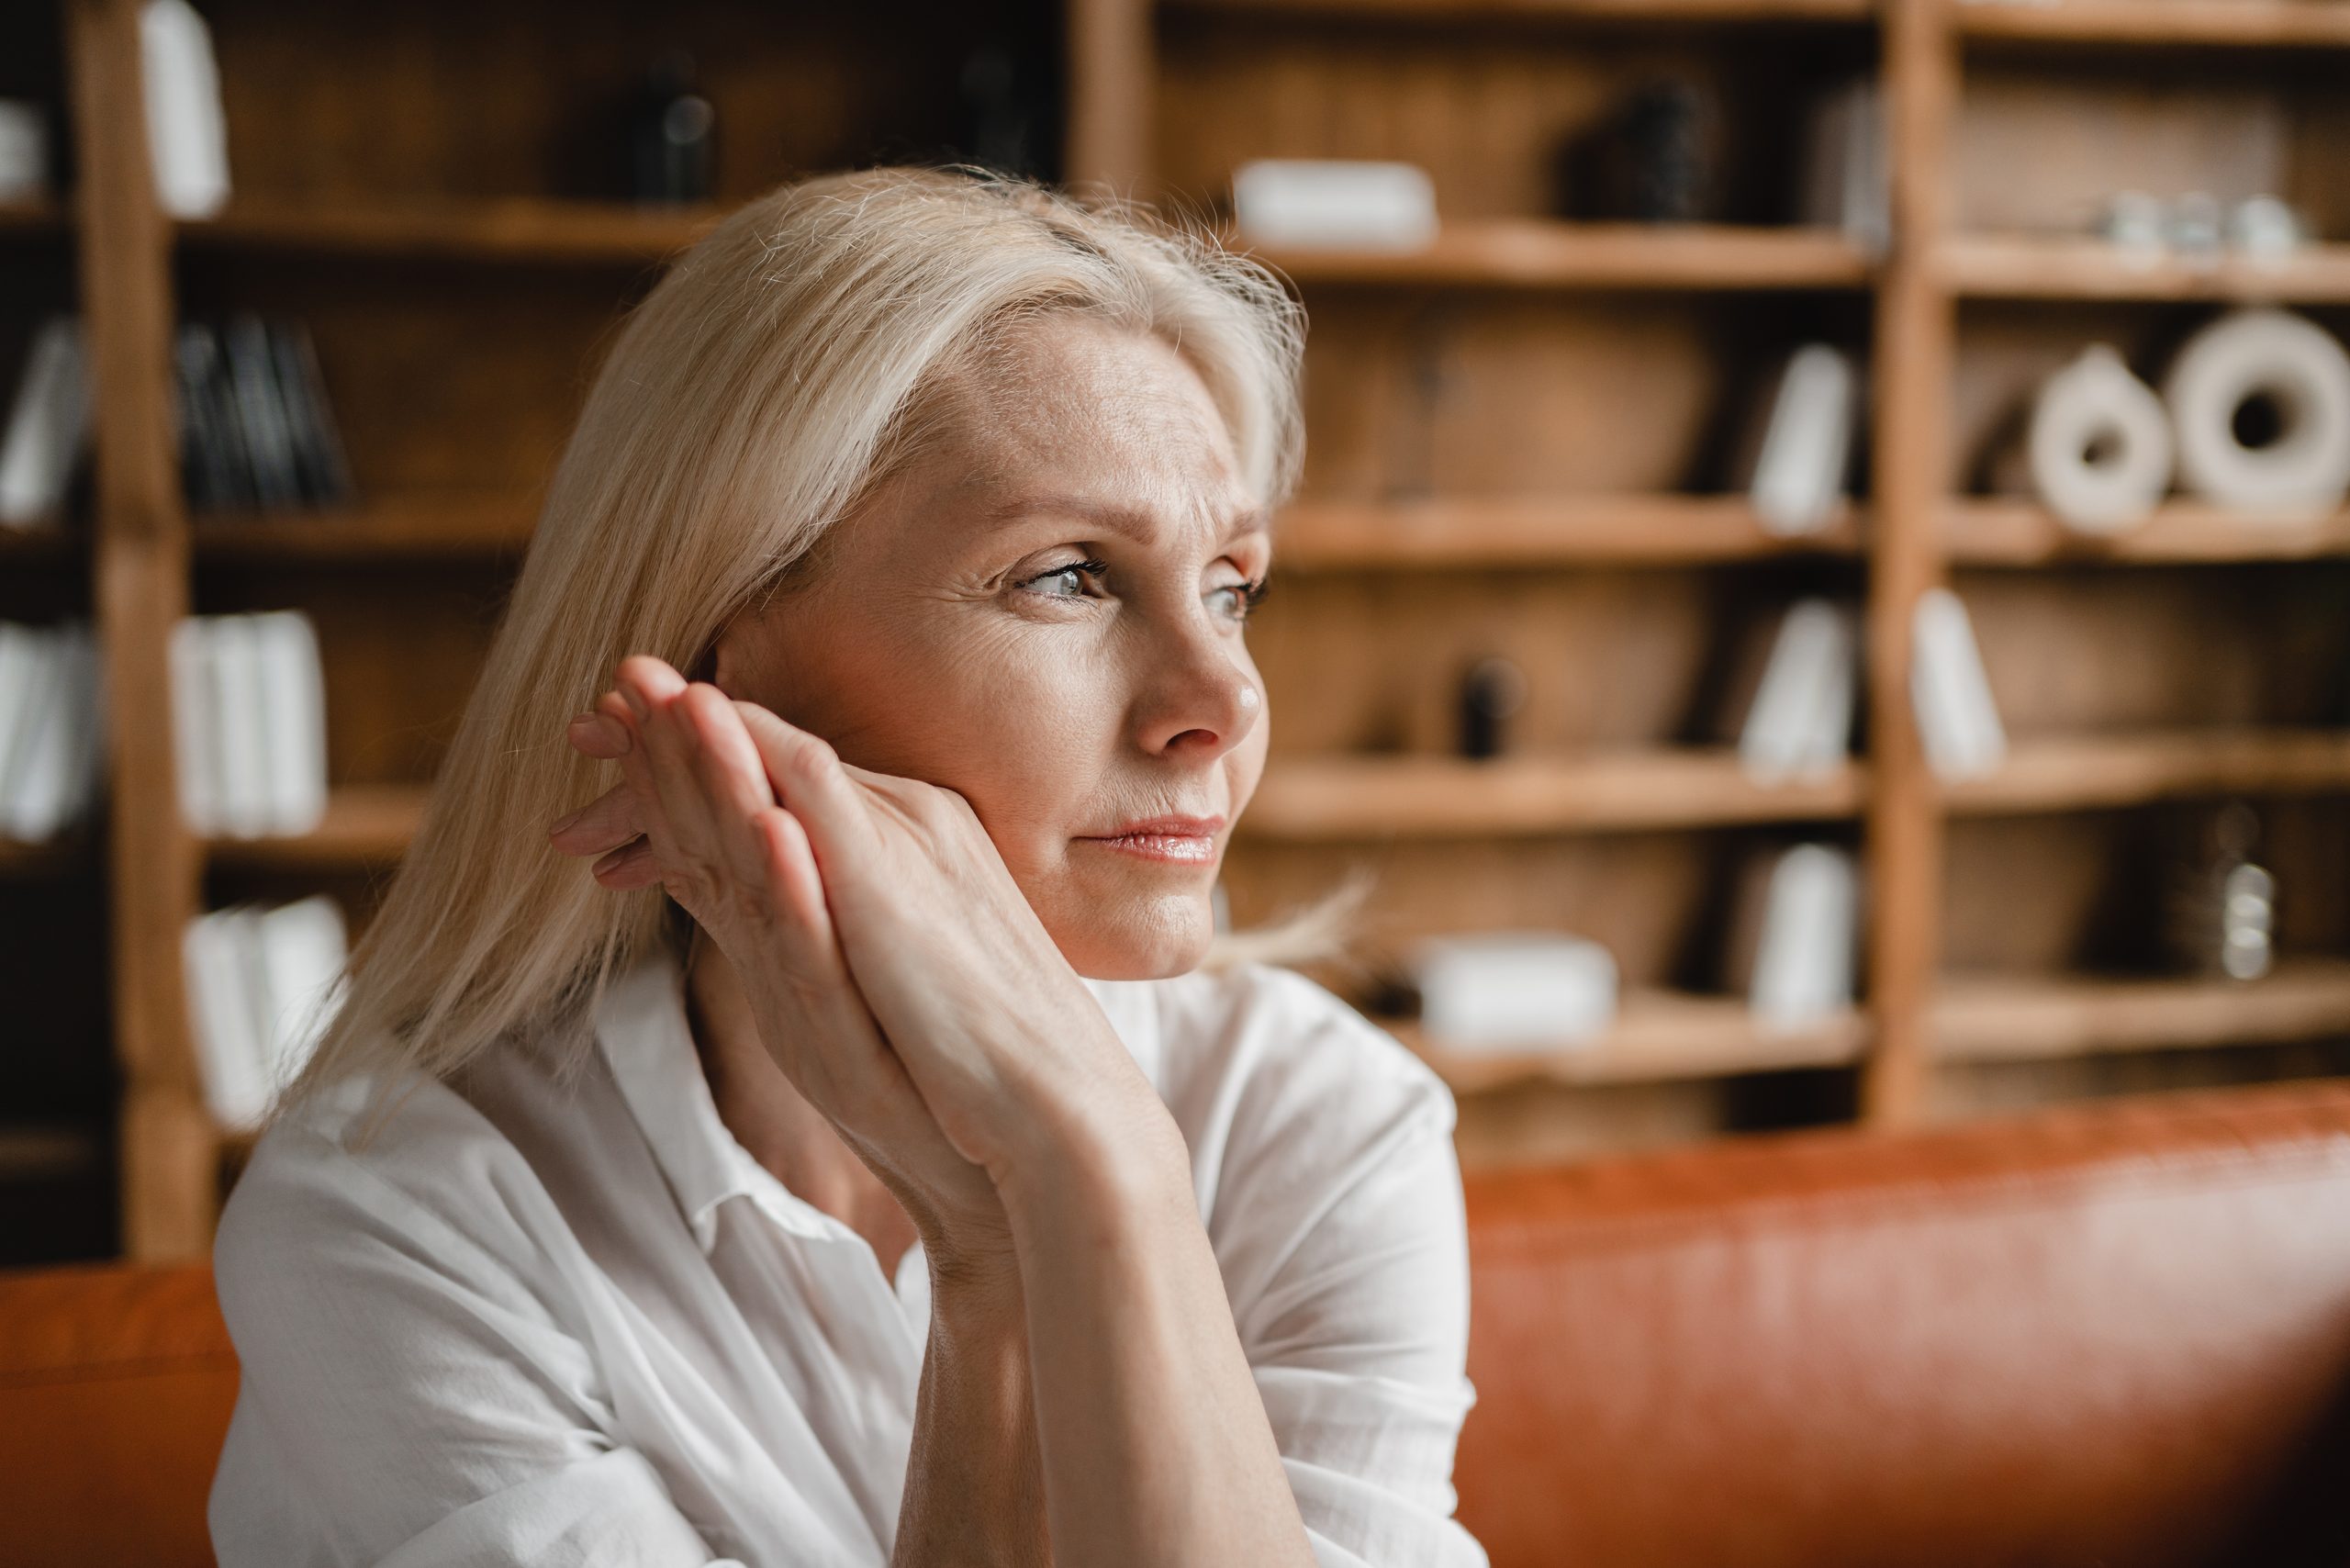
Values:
[(869, 1157)]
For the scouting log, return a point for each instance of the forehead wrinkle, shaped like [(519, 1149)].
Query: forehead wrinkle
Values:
[(1108, 515)]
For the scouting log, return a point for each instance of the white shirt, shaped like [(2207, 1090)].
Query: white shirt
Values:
[(543, 1321)]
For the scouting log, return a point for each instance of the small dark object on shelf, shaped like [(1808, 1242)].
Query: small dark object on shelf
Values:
[(674, 135), (2223, 910), (1492, 691), (1655, 158)]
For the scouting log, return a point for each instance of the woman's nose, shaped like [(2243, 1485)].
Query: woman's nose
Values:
[(1204, 702)]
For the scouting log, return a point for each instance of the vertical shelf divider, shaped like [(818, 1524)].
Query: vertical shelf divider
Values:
[(169, 1147), (1915, 327)]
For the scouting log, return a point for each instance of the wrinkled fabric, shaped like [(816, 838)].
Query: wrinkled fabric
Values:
[(553, 1318)]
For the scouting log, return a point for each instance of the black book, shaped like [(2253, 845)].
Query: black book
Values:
[(212, 452), (319, 460), (268, 440)]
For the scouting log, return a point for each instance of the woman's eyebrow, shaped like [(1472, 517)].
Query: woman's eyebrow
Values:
[(1135, 526)]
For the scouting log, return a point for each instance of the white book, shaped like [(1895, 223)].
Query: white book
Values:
[(195, 724), (1357, 203), (21, 659), (1799, 483), (1805, 960), (1801, 722), (36, 747), (293, 721), (1513, 990), (48, 425), (45, 782), (220, 957), (1958, 722), (243, 777), (302, 949), (187, 134)]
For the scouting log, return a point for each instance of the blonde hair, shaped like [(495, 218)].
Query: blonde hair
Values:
[(781, 368)]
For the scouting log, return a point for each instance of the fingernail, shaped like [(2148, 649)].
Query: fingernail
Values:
[(585, 716), (567, 819), (635, 704)]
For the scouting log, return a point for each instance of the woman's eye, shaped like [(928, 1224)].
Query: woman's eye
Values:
[(1073, 576), (1240, 598)]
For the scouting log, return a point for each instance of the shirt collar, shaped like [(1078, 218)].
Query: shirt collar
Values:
[(646, 1043)]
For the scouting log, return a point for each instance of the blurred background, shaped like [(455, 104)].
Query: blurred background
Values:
[(1821, 592)]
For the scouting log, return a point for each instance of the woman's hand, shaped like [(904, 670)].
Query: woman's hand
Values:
[(695, 811), (1004, 1043)]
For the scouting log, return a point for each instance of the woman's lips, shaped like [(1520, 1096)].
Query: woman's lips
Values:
[(1173, 848), (1176, 838)]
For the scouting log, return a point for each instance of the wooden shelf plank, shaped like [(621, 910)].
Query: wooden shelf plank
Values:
[(1319, 798), (366, 826), (1991, 1018), (2305, 23), (1507, 531), (501, 229), (2016, 531), (420, 526), (2087, 772), (1658, 1035), (1562, 10), (35, 216), (1544, 253), (2026, 266), (35, 1152)]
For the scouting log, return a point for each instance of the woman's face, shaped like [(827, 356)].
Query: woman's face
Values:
[(1045, 614)]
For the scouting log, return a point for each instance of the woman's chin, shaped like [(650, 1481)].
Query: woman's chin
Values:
[(1149, 937)]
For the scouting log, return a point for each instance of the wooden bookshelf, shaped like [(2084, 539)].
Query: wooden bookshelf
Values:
[(1526, 253), (2091, 772), (1518, 443), (2019, 267), (1315, 536), (1342, 799), (1657, 1036), (417, 526), (2169, 23), (1988, 1018), (2015, 532), (519, 229)]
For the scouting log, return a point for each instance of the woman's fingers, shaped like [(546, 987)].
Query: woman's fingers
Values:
[(812, 781)]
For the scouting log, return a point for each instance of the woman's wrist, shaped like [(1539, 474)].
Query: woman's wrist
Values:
[(1110, 1158)]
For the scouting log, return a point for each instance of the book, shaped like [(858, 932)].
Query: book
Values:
[(1508, 989), (187, 133), (248, 711), (1798, 484), (1355, 203), (1794, 939), (263, 414), (263, 983), (1958, 721), (51, 718), (47, 428), (1800, 721), (320, 460)]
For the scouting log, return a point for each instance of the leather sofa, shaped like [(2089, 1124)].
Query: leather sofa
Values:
[(2117, 1334)]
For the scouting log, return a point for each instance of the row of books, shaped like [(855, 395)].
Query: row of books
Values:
[(255, 432), (1792, 951), (249, 706), (263, 983), (1799, 720), (52, 728), (254, 428)]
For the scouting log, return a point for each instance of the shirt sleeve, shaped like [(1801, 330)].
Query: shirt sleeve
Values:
[(409, 1394), (1346, 1253)]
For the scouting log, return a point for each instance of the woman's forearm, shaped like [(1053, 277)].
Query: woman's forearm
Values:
[(974, 1483), (1153, 1436)]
